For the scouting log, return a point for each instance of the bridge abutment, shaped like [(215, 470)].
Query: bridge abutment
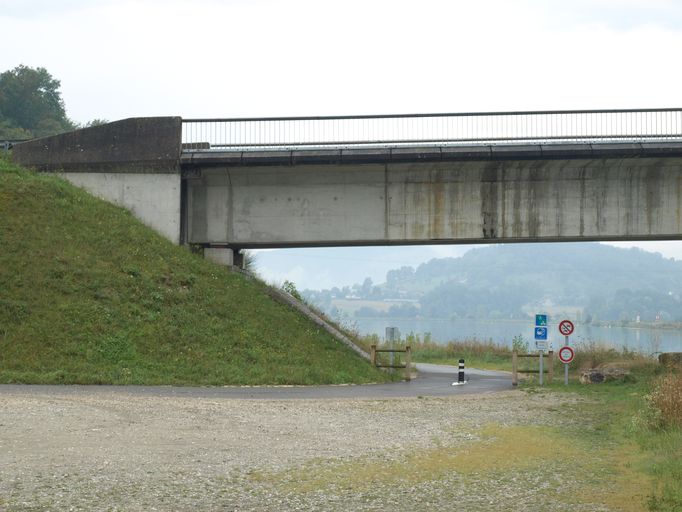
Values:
[(134, 163)]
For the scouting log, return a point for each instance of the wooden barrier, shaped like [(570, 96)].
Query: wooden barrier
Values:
[(408, 358), (515, 366)]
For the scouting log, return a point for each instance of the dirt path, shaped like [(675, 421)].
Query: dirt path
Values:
[(121, 451)]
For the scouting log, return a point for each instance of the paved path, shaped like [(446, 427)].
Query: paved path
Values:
[(433, 380)]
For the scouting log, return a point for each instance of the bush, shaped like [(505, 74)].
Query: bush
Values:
[(290, 288), (666, 397), (519, 344)]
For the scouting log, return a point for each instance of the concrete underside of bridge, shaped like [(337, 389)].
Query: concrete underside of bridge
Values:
[(434, 202)]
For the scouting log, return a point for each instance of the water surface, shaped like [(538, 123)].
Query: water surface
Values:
[(644, 340)]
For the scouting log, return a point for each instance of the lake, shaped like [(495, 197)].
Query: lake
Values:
[(643, 340)]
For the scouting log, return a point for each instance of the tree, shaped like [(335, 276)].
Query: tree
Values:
[(95, 122), (31, 104)]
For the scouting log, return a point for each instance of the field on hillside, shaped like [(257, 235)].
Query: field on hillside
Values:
[(90, 295)]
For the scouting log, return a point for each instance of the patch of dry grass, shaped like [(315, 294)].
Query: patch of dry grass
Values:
[(666, 397), (515, 455)]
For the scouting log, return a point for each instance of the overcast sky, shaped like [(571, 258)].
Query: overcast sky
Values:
[(211, 58)]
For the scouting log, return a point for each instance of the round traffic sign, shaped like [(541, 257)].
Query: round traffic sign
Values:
[(566, 354), (566, 327)]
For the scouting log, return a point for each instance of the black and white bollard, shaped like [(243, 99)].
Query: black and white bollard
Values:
[(460, 375)]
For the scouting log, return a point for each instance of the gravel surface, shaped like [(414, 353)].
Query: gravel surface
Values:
[(120, 451)]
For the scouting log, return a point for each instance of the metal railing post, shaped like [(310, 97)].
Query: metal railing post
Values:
[(515, 375), (408, 363)]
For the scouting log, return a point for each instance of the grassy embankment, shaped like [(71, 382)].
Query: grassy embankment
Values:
[(90, 295)]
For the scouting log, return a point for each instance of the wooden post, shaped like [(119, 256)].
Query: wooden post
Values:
[(408, 363), (515, 377), (550, 362), (373, 355)]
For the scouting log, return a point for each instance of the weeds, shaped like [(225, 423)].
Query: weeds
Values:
[(487, 354), (666, 397)]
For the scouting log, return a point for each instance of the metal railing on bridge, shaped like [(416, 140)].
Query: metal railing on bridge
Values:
[(539, 127)]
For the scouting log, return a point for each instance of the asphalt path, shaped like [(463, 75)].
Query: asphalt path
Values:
[(432, 380)]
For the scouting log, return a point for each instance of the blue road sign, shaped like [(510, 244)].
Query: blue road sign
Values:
[(541, 333), (541, 320)]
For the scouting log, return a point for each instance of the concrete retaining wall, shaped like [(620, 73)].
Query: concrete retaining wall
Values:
[(134, 163), (152, 198)]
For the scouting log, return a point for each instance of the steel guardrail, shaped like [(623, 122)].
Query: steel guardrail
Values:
[(532, 127), (6, 144)]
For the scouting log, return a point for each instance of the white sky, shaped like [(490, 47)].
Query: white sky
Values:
[(213, 58)]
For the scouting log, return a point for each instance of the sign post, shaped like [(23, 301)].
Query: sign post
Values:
[(541, 339), (392, 335), (566, 353)]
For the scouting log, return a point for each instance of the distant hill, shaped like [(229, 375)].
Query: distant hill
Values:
[(600, 282), (90, 295)]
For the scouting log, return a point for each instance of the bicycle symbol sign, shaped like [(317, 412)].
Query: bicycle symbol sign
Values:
[(566, 327)]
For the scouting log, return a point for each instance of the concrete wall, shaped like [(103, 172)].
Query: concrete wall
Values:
[(152, 198), (134, 163), (422, 202)]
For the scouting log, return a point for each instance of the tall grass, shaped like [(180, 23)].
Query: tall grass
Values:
[(666, 397), (488, 354), (593, 355)]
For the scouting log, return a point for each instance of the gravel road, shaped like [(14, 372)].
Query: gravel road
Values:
[(116, 450)]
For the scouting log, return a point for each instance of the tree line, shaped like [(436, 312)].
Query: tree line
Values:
[(606, 283), (31, 105)]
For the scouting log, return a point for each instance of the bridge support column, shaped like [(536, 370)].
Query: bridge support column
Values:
[(220, 255), (224, 256)]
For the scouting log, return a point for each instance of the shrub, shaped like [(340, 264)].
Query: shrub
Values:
[(290, 288), (519, 344), (667, 398)]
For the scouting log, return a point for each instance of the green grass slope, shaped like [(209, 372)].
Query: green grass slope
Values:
[(90, 295)]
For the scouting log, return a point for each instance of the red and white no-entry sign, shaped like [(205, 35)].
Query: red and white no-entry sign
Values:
[(566, 355), (566, 327)]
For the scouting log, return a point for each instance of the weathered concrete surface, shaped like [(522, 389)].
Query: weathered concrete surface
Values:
[(134, 163), (501, 200), (152, 198), (220, 255), (146, 144)]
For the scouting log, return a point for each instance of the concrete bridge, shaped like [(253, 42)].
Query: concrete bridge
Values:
[(230, 184)]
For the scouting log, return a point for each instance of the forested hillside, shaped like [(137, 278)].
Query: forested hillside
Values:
[(505, 281)]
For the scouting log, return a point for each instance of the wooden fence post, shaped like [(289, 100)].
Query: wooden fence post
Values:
[(408, 363), (373, 355), (515, 378), (551, 365)]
